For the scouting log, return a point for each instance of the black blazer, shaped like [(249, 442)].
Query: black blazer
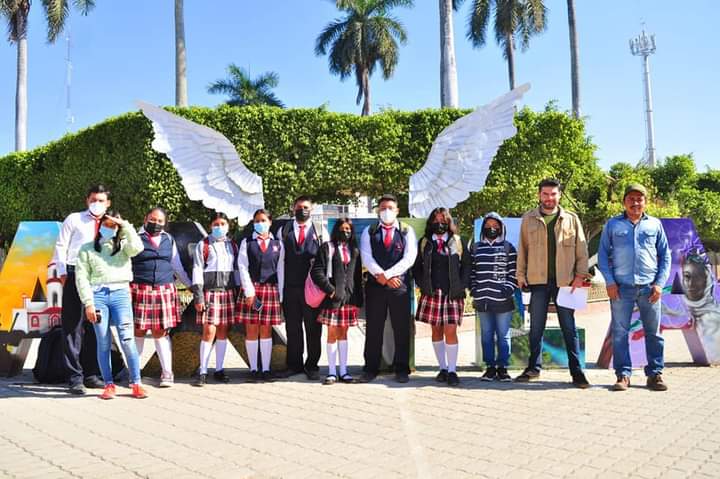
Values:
[(459, 268), (346, 280)]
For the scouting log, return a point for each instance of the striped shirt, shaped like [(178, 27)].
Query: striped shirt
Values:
[(493, 278)]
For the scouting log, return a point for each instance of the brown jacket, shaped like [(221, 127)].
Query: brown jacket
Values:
[(571, 256)]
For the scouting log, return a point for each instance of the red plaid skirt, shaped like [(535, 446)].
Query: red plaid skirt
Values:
[(440, 310), (270, 312), (219, 308), (346, 315), (155, 307)]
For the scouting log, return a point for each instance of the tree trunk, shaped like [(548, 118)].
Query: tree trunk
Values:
[(21, 96), (366, 92), (448, 66), (181, 97), (574, 59), (510, 53)]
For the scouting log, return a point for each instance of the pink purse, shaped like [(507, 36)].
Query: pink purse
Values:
[(314, 296)]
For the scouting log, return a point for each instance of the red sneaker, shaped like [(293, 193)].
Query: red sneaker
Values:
[(138, 391), (108, 392)]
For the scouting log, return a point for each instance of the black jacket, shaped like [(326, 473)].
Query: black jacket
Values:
[(346, 280), (459, 268)]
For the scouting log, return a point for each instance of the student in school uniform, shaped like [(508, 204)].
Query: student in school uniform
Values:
[(156, 305), (441, 272), (214, 281), (388, 250), (338, 272), (261, 266)]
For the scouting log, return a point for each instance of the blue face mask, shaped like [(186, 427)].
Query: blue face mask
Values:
[(107, 233), (261, 228), (219, 231)]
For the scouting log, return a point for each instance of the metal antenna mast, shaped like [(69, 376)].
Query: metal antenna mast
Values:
[(643, 46)]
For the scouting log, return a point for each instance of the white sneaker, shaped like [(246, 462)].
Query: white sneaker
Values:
[(166, 381)]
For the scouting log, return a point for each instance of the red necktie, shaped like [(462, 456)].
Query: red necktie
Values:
[(263, 246), (97, 226), (388, 236), (345, 257), (301, 235), (440, 245)]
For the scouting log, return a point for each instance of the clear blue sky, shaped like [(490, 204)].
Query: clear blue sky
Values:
[(124, 51)]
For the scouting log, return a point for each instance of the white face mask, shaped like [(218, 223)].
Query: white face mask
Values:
[(97, 208), (388, 216)]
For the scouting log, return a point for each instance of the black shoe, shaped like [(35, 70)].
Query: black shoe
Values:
[(580, 381), (268, 377), (221, 377), (200, 381), (367, 377), (490, 374), (402, 377), (442, 376), (453, 379), (502, 375), (77, 389), (527, 376), (312, 374), (254, 377), (94, 382)]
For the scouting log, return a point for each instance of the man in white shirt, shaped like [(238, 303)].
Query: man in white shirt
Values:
[(388, 250), (77, 229)]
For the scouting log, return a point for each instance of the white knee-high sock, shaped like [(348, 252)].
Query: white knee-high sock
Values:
[(343, 353), (251, 345), (164, 352), (439, 347), (331, 354), (139, 344), (452, 353), (265, 353), (220, 347), (205, 351)]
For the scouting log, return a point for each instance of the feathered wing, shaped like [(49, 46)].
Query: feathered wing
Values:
[(459, 160), (209, 166)]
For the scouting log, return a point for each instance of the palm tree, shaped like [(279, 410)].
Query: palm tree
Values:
[(513, 18), (448, 66), (574, 59), (181, 96), (16, 13), (365, 36), (244, 91)]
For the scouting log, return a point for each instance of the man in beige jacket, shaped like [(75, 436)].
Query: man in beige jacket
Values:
[(552, 253)]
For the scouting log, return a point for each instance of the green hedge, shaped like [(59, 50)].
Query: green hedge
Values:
[(328, 155)]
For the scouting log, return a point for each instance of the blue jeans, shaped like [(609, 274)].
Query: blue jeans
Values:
[(492, 326), (541, 295), (116, 310), (650, 315)]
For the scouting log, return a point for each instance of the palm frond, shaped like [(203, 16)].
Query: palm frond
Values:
[(84, 6), (16, 12), (478, 20), (56, 14)]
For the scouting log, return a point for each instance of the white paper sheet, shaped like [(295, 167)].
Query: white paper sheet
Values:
[(576, 300)]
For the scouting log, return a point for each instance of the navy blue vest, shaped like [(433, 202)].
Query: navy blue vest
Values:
[(153, 265), (297, 258), (263, 266), (385, 258)]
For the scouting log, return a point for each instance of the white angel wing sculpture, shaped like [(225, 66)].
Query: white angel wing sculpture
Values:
[(459, 160), (210, 169)]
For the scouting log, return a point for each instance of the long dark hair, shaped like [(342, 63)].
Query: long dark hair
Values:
[(452, 227), (116, 239), (335, 235)]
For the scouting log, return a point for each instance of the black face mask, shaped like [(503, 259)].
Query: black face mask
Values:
[(345, 236), (153, 228), (491, 233), (439, 228), (301, 214)]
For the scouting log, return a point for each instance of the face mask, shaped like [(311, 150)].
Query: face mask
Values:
[(107, 233), (153, 228), (388, 216), (219, 231), (491, 233), (301, 214), (345, 236), (97, 208), (261, 228), (439, 228)]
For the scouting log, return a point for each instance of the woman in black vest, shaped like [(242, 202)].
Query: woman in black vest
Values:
[(156, 305), (340, 257), (442, 272), (261, 267)]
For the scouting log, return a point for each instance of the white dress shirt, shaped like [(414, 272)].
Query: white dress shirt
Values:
[(243, 264), (77, 229), (401, 266)]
